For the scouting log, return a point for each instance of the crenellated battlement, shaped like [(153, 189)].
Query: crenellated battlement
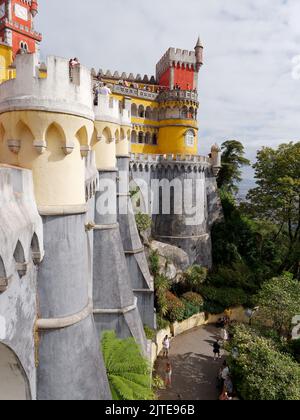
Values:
[(185, 161), (125, 77), (64, 90), (176, 57), (111, 110)]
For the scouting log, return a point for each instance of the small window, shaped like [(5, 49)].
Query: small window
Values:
[(190, 138)]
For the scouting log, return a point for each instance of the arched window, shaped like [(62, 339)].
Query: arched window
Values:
[(148, 138), (154, 139), (134, 110), (148, 113), (19, 257), (35, 249), (155, 114), (184, 112), (3, 278), (141, 111), (191, 113), (162, 114), (141, 137), (190, 138), (133, 137)]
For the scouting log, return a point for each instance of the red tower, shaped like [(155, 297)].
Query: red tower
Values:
[(180, 68), (16, 25)]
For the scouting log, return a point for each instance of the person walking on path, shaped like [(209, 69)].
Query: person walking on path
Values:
[(168, 375), (166, 346), (217, 350)]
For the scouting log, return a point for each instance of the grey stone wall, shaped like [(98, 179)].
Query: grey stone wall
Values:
[(115, 307), (70, 361), (21, 247), (193, 235)]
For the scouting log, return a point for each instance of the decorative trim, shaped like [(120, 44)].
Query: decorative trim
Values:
[(92, 226), (205, 235), (135, 251), (68, 321), (116, 311), (14, 146), (62, 210), (40, 146), (84, 150)]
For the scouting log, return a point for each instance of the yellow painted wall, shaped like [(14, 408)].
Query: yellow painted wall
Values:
[(6, 60), (59, 179), (171, 139)]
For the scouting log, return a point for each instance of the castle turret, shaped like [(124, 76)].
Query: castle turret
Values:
[(199, 54), (46, 126), (115, 306)]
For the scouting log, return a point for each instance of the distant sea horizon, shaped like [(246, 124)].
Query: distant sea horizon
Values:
[(244, 187)]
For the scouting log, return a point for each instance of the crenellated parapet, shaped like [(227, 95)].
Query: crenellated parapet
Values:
[(125, 77), (63, 90), (109, 109), (176, 57)]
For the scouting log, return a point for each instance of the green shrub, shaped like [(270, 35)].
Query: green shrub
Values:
[(154, 263), (162, 285), (150, 334), (213, 308), (225, 297), (194, 298), (176, 308), (162, 323), (260, 371), (190, 309), (143, 222), (194, 277), (128, 371)]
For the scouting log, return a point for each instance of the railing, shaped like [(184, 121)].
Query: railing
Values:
[(139, 157), (139, 93), (178, 95)]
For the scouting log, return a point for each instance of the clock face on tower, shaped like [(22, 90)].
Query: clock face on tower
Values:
[(2, 10), (21, 12)]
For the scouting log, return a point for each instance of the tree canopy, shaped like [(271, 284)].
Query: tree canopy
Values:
[(233, 159)]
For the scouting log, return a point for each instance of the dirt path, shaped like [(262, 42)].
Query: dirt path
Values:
[(194, 370)]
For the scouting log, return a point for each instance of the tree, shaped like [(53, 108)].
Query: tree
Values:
[(232, 161), (127, 370), (260, 371), (279, 303), (277, 196)]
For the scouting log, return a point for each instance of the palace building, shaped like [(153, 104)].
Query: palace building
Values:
[(164, 109), (68, 269)]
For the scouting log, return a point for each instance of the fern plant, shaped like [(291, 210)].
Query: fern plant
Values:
[(127, 370)]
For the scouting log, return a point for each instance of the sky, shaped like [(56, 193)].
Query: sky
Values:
[(249, 86)]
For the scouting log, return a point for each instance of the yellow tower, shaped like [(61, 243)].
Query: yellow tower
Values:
[(164, 109)]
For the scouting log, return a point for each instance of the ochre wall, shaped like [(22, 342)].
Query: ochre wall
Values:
[(59, 178)]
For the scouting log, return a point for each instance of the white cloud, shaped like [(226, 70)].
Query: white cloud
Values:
[(246, 86)]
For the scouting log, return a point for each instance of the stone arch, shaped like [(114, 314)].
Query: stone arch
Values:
[(148, 113), (26, 153), (148, 138), (169, 113), (184, 112), (117, 136), (14, 384), (122, 134), (155, 114), (56, 140), (134, 110), (162, 114), (191, 113), (82, 136), (141, 111), (141, 167), (107, 135), (3, 276), (19, 257), (133, 136), (141, 139), (35, 249)]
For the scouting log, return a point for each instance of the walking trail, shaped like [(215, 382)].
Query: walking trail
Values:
[(194, 369)]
